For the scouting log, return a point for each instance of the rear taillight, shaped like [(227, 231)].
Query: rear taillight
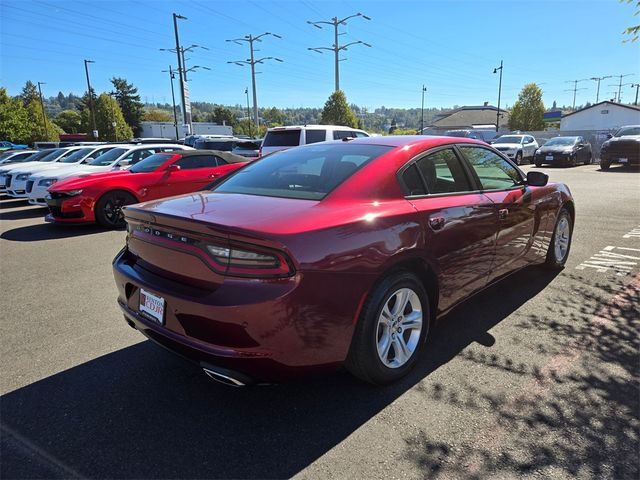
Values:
[(244, 261)]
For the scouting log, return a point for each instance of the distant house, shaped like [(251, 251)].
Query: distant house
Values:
[(468, 117), (601, 116)]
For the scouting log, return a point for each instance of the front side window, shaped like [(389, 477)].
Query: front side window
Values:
[(443, 173), (151, 163), (309, 172), (315, 136), (493, 171)]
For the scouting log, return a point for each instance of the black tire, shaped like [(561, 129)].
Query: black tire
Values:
[(538, 164), (363, 360), (552, 261), (519, 158), (604, 165), (108, 209)]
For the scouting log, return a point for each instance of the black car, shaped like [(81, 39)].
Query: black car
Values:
[(623, 148), (564, 151)]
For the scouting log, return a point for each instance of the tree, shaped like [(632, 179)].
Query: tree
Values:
[(222, 116), (273, 117), (528, 111), (29, 93), (634, 31), (15, 125), (337, 112), (129, 100), (107, 112), (157, 115), (69, 120)]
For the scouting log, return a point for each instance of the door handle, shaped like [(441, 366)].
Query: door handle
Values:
[(503, 213), (436, 223)]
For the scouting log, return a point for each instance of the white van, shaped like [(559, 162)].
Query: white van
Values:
[(281, 138)]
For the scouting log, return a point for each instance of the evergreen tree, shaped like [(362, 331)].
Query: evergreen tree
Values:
[(108, 112), (29, 93), (337, 112), (69, 120), (528, 111), (129, 100)]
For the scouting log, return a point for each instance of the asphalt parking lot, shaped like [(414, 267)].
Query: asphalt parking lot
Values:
[(537, 376)]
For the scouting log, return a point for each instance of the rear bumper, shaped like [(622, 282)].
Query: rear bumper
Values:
[(274, 331)]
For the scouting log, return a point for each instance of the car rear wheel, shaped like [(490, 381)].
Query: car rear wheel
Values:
[(109, 208), (560, 241), (391, 330), (604, 165)]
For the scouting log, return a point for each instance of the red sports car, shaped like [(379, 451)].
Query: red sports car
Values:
[(101, 196), (338, 253)]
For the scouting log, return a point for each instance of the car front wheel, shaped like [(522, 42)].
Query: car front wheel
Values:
[(560, 244), (391, 331), (519, 158), (109, 208), (604, 165)]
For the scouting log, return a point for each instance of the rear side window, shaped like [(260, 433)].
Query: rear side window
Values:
[(412, 181), (309, 172), (493, 171), (315, 136), (282, 138), (443, 173)]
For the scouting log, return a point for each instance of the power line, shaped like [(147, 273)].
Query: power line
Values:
[(575, 89), (599, 79)]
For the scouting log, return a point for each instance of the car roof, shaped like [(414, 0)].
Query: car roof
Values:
[(228, 156), (403, 140), (324, 127)]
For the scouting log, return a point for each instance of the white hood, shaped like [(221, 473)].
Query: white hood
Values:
[(510, 146), (72, 171), (35, 169), (21, 166)]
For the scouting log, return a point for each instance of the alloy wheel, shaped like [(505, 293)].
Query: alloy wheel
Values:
[(399, 328), (562, 238)]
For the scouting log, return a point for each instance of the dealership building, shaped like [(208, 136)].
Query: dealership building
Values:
[(601, 116)]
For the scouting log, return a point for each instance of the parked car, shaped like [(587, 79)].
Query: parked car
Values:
[(16, 182), (565, 151), (339, 253), (281, 138), (117, 158), (223, 144), (15, 156), (516, 147), (5, 170), (101, 196), (249, 148), (484, 135), (623, 147), (4, 145)]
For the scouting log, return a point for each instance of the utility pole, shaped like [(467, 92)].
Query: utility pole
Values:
[(424, 89), (250, 39), (186, 108), (620, 85), (599, 79), (336, 22), (93, 114), (44, 115), (636, 85), (114, 124), (246, 92), (172, 75), (495, 70), (575, 89)]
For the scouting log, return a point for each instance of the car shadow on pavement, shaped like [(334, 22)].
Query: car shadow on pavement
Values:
[(142, 413), (24, 213), (8, 202), (49, 231), (620, 169)]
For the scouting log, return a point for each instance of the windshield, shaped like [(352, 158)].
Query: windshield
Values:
[(77, 155), (508, 139), (304, 173), (52, 155), (456, 133), (561, 141), (38, 156), (627, 131), (108, 158), (151, 163)]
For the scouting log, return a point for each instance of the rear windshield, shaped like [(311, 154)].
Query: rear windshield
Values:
[(108, 158), (222, 145), (282, 138), (309, 172), (151, 163)]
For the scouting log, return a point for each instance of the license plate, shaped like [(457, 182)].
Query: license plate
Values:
[(549, 157), (623, 160), (152, 306)]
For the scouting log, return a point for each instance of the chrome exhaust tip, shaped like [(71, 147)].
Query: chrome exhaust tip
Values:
[(226, 379)]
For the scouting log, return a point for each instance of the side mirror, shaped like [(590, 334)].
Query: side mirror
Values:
[(172, 168), (537, 179)]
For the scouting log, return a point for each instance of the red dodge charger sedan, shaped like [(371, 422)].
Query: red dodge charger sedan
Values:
[(100, 197), (337, 253)]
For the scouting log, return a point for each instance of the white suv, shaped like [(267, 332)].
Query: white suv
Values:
[(516, 147), (281, 138)]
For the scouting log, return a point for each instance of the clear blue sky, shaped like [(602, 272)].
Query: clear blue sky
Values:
[(451, 46)]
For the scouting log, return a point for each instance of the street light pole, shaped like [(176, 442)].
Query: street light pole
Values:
[(114, 124), (246, 92), (93, 115), (336, 22), (250, 39), (44, 115), (424, 89), (637, 86), (173, 100), (495, 70), (599, 79)]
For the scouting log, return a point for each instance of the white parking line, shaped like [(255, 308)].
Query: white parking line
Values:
[(635, 233), (607, 260)]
